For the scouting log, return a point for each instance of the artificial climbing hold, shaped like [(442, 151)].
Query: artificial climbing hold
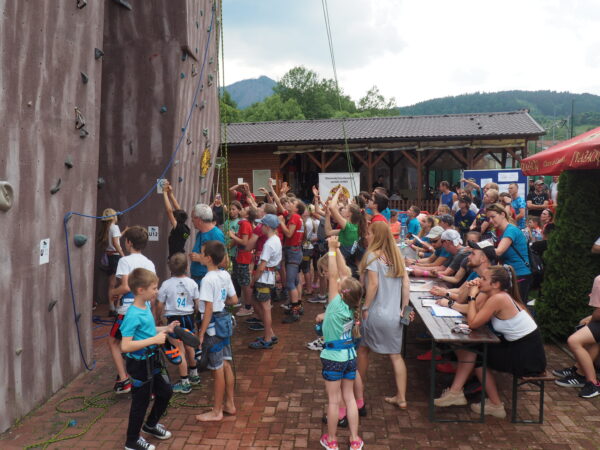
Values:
[(211, 77), (83, 133), (202, 104), (220, 162), (54, 189), (211, 60), (176, 162), (69, 162), (205, 132), (183, 130), (201, 12), (101, 182), (188, 141), (163, 109), (203, 191), (84, 78), (196, 49), (52, 304), (209, 29), (124, 4), (6, 196), (80, 240), (194, 71), (182, 75), (180, 179), (197, 24), (81, 4), (79, 119), (98, 53), (72, 422), (184, 55), (77, 317), (29, 103), (18, 351)]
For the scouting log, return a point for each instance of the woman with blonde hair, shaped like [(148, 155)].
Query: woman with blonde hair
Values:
[(108, 241), (387, 295)]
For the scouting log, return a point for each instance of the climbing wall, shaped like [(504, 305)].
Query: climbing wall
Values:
[(156, 57), (48, 166)]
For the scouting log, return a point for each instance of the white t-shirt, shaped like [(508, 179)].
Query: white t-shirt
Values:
[(554, 191), (113, 232), (216, 286), (179, 295), (271, 253), (310, 233), (126, 265)]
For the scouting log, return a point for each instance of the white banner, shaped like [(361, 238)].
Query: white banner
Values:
[(330, 182)]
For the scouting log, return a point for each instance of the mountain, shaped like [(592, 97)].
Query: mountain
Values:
[(248, 92)]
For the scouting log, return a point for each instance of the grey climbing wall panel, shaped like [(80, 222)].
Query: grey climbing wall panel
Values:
[(41, 72)]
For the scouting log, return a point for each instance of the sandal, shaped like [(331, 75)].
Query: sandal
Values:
[(261, 344), (392, 401)]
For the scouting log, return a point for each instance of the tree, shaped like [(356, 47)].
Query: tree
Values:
[(273, 108), (374, 104), (570, 267), (228, 109)]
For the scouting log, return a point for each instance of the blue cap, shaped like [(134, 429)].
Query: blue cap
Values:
[(270, 220)]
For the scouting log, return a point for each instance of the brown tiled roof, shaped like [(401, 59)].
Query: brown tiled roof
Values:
[(448, 126)]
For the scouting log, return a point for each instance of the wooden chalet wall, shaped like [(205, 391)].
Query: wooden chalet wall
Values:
[(244, 159)]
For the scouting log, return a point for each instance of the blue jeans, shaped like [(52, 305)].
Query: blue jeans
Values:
[(293, 259)]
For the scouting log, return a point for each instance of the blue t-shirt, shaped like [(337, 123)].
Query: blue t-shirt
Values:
[(472, 276), (446, 199), (138, 324), (198, 270), (414, 227), (510, 256), (464, 222), (517, 204)]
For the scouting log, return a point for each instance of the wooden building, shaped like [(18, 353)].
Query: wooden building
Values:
[(405, 150)]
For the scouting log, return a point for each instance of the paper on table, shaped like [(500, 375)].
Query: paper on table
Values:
[(428, 302), (442, 311), (421, 287)]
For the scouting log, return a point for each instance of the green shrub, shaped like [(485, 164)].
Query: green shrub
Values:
[(570, 267)]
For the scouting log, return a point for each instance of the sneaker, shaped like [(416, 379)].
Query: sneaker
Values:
[(427, 356), (253, 320), (158, 431), (256, 326), (261, 344), (243, 312), (172, 353), (141, 444), (317, 299), (357, 445), (566, 372), (194, 379), (490, 409), (590, 390), (329, 445), (362, 412), (182, 387), (575, 381), (123, 387), (445, 368), (294, 315), (316, 345), (286, 306), (450, 398)]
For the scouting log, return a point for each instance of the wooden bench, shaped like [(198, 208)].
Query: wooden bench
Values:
[(537, 382)]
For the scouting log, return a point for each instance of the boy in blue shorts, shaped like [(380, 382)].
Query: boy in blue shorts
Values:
[(140, 343), (177, 298), (216, 291)]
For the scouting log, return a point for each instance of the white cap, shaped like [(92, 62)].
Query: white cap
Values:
[(452, 236)]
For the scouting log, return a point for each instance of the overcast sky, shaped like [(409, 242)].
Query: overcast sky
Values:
[(415, 50)]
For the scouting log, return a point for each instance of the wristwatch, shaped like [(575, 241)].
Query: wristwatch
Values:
[(470, 298), (365, 308), (447, 295), (450, 303)]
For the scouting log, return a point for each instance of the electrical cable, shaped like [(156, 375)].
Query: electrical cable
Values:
[(69, 214)]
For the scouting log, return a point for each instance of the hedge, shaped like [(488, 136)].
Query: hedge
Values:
[(570, 267)]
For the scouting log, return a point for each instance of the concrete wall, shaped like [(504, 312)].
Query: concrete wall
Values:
[(43, 48), (143, 70)]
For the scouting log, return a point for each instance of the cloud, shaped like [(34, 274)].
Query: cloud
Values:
[(416, 50)]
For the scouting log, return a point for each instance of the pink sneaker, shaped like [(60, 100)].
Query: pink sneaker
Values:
[(329, 445), (357, 445)]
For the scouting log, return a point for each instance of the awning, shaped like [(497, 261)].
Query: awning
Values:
[(579, 153)]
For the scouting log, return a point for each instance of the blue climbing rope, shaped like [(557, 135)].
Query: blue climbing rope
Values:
[(69, 214)]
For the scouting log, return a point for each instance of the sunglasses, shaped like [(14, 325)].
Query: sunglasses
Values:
[(434, 241)]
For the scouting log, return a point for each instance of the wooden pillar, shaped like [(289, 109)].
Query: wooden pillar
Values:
[(419, 178), (391, 165), (323, 168), (504, 152), (369, 171), (524, 151)]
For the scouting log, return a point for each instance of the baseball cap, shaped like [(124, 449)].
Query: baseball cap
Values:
[(486, 247), (435, 233), (538, 182), (270, 220), (452, 236)]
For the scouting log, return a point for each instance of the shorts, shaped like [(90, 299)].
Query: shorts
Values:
[(262, 291), (241, 273), (113, 262), (185, 321), (114, 330), (215, 359), (307, 255), (595, 329), (337, 370)]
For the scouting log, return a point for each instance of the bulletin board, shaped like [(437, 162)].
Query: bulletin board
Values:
[(503, 177)]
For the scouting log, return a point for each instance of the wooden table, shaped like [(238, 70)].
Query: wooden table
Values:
[(440, 329)]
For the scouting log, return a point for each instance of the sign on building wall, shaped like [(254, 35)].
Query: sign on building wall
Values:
[(153, 233), (330, 182)]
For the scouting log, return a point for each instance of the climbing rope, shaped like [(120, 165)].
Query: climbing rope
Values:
[(69, 214), (337, 88)]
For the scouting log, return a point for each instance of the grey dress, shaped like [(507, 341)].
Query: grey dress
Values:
[(382, 331)]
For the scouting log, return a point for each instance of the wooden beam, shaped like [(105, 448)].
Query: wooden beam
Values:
[(524, 150), (503, 163), (479, 156), (370, 170), (315, 160), (323, 167), (379, 158), (411, 158), (459, 157), (495, 157), (332, 159), (286, 160), (513, 154), (431, 159), (419, 178), (361, 159)]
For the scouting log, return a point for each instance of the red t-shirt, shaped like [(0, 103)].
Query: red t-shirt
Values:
[(296, 239), (378, 218), (260, 242), (285, 214), (243, 256), (243, 199)]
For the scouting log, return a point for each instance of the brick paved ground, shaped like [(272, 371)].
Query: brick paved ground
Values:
[(280, 399)]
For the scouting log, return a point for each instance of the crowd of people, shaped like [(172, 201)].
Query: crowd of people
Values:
[(344, 253)]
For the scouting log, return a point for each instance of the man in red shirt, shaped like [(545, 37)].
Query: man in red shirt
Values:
[(241, 193), (241, 265), (292, 227)]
